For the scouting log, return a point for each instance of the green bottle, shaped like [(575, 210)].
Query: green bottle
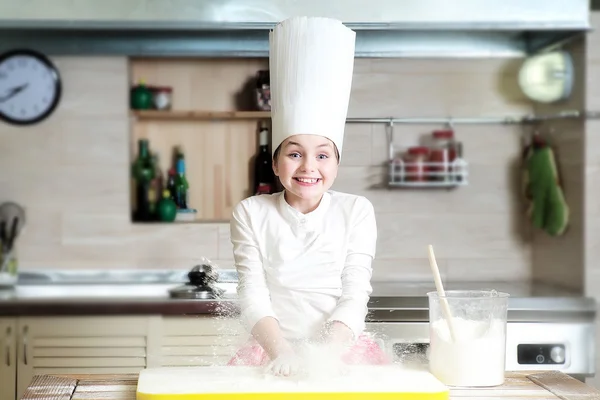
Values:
[(181, 185), (143, 174), (167, 209)]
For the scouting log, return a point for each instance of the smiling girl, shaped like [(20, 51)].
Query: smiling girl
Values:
[(304, 255)]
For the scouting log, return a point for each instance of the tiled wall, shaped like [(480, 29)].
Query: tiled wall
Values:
[(71, 173), (560, 260)]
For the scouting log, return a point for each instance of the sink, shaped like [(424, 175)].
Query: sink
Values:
[(106, 291), (112, 284), (113, 277)]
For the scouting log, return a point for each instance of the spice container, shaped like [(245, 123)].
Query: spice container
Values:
[(263, 90), (415, 164), (162, 97), (459, 165), (140, 97), (442, 154)]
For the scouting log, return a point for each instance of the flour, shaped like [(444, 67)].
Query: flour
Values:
[(318, 361), (477, 358)]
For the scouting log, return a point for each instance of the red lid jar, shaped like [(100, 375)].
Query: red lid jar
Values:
[(443, 152), (415, 163)]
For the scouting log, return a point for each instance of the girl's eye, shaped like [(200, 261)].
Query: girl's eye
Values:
[(323, 156), (294, 155)]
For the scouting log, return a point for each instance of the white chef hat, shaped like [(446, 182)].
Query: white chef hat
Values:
[(311, 61)]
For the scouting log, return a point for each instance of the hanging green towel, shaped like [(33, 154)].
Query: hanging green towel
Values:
[(548, 209)]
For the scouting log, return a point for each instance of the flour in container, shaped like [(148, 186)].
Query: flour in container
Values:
[(476, 358)]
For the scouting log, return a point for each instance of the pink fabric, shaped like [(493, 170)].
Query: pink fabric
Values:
[(364, 351)]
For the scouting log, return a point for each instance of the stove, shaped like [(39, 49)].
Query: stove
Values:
[(548, 327)]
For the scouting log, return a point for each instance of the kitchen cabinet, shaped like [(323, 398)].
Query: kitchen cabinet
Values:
[(8, 358), (110, 345), (199, 341), (62, 345)]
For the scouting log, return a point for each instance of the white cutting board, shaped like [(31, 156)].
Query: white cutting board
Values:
[(252, 383)]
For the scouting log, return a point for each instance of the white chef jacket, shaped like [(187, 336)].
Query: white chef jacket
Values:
[(304, 269)]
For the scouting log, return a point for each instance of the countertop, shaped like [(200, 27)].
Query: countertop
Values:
[(145, 292), (517, 385)]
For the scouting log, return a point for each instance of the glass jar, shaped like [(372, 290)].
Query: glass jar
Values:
[(263, 90), (442, 154), (8, 268), (162, 97), (415, 164)]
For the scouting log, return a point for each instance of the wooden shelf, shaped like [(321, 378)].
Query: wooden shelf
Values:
[(199, 115)]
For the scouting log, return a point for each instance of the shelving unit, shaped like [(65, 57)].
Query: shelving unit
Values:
[(428, 174), (197, 115), (219, 142)]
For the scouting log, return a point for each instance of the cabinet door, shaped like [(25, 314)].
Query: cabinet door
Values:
[(8, 358), (200, 340), (63, 345)]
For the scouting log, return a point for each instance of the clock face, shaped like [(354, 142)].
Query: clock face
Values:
[(30, 87)]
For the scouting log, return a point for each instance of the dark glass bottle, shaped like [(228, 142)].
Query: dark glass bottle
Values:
[(171, 184), (143, 173), (181, 185), (264, 178)]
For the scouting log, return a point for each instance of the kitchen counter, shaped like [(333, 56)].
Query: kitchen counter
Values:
[(145, 292), (106, 299), (518, 385)]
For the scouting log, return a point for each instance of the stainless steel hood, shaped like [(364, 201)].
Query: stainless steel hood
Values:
[(239, 28)]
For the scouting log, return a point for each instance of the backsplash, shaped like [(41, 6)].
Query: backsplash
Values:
[(71, 174)]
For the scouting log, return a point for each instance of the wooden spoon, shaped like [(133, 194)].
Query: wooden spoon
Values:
[(441, 294)]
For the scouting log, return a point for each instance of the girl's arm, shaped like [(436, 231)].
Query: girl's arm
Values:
[(254, 298), (348, 318)]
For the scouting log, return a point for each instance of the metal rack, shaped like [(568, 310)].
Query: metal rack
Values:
[(454, 173)]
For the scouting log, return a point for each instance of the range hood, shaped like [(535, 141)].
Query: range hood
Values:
[(239, 28)]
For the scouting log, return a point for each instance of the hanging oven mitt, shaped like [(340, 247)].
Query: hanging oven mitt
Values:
[(548, 209)]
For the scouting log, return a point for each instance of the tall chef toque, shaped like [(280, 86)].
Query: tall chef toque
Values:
[(311, 61)]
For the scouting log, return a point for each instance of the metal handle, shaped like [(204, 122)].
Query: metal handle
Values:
[(25, 330), (8, 332)]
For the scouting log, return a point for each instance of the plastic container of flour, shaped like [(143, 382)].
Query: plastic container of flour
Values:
[(476, 357)]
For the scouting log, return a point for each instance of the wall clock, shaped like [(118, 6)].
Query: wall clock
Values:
[(30, 87)]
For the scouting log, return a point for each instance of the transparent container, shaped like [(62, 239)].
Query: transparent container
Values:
[(8, 268), (476, 355)]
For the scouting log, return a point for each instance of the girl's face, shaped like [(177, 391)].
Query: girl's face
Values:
[(307, 167)]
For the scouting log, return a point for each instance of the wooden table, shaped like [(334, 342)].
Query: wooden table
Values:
[(518, 385)]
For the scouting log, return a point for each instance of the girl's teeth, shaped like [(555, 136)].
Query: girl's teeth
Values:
[(307, 180)]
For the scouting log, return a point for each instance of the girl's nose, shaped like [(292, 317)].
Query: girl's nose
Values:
[(308, 164)]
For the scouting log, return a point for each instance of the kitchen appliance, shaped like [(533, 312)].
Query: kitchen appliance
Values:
[(201, 285), (248, 383), (548, 328)]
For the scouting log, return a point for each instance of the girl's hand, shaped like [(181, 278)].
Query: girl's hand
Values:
[(285, 363), (338, 333)]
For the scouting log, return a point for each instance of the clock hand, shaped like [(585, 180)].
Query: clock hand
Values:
[(13, 92)]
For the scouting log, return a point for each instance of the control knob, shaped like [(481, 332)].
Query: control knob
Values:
[(557, 354)]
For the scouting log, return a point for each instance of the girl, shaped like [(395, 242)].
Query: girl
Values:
[(303, 255)]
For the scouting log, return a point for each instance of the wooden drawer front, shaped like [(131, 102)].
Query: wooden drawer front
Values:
[(200, 341), (88, 352), (202, 326)]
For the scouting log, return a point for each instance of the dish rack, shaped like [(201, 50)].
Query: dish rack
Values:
[(428, 174)]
